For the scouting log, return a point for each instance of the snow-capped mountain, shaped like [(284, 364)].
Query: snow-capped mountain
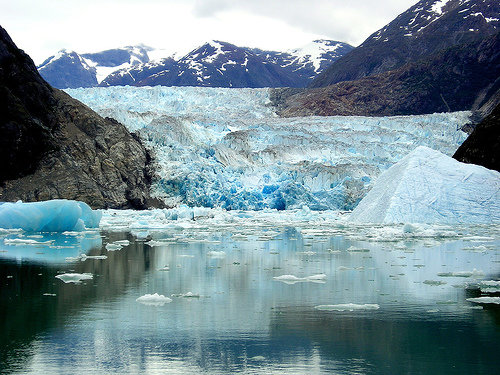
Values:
[(221, 64), (216, 64), (68, 69), (423, 30)]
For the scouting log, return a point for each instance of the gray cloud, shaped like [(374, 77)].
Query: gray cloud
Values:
[(349, 21)]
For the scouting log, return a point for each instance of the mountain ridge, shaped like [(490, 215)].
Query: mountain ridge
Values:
[(215, 64), (424, 29)]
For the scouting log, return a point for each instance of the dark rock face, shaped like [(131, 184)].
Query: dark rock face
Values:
[(424, 29), (482, 147), (52, 146), (463, 77)]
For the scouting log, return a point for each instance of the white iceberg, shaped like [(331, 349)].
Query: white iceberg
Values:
[(154, 299), (427, 186), (58, 215), (75, 278)]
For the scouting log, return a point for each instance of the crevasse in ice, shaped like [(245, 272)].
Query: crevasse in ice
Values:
[(226, 148), (57, 215)]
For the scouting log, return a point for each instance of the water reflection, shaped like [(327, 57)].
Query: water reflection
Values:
[(238, 318)]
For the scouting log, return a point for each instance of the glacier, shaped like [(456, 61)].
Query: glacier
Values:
[(59, 215), (427, 186), (226, 148)]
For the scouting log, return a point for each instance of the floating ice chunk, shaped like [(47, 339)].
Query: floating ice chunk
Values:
[(434, 282), (85, 257), (474, 273), (216, 254), (186, 295), (122, 242), (27, 242), (485, 300), (154, 299), (292, 279), (490, 283), (74, 277), (257, 358), (348, 307), (113, 247), (57, 215), (429, 187)]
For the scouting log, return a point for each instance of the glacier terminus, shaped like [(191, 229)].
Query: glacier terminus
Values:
[(219, 147)]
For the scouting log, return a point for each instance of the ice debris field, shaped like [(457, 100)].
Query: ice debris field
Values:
[(226, 148)]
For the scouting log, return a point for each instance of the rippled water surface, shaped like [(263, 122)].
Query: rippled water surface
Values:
[(233, 310)]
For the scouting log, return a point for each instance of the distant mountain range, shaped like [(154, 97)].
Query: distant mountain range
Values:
[(214, 64)]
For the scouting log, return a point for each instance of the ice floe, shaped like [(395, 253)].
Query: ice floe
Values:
[(348, 307), (292, 279), (154, 299), (485, 300), (75, 278)]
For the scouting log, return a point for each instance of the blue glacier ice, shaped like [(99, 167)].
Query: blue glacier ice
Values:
[(219, 147), (57, 215)]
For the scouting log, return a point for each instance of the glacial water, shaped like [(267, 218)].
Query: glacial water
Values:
[(256, 293)]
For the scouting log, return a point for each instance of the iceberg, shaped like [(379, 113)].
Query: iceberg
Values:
[(219, 147), (429, 187), (57, 215)]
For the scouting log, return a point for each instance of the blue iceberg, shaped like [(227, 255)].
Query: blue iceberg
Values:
[(57, 215)]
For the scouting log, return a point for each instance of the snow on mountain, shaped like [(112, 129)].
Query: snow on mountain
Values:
[(320, 53), (215, 64), (68, 69), (221, 64), (226, 148), (427, 186)]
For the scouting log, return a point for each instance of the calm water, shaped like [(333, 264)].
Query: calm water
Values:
[(241, 319)]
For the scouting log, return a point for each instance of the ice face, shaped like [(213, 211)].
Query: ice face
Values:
[(429, 187), (57, 215), (226, 148)]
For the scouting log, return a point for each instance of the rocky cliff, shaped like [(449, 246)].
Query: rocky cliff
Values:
[(53, 146), (483, 145), (462, 77)]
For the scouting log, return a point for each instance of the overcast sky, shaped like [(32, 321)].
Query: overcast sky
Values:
[(43, 27)]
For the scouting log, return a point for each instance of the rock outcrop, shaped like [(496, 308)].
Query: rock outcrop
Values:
[(463, 77), (482, 147), (424, 29), (53, 146)]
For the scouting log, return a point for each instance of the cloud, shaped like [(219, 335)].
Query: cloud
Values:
[(351, 21), (42, 28)]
